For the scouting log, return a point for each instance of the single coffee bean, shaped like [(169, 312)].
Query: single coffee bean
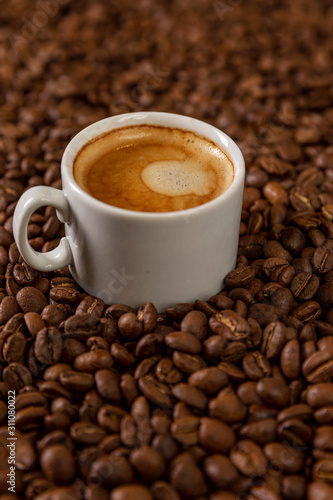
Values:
[(92, 361), (305, 285), (186, 477), (48, 345), (166, 372), (148, 462), (185, 430), (91, 305), (220, 471), (227, 406), (318, 367), (146, 366), (76, 381), (190, 395), (248, 458), (164, 491), (319, 488), (108, 385), (30, 299), (261, 431), (149, 345), (195, 322), (188, 363), (241, 276), (296, 433), (290, 359), (58, 464), (82, 326), (230, 325), (216, 436), (213, 347), (16, 375), (323, 470), (256, 365), (322, 260), (130, 491), (273, 339), (209, 380), (86, 434), (273, 392), (147, 313), (183, 341), (155, 391)]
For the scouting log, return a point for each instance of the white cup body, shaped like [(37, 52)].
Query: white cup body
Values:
[(131, 257)]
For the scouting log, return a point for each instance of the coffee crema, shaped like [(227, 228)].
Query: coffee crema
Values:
[(149, 168)]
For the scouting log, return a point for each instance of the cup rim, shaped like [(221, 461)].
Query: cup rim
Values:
[(201, 128)]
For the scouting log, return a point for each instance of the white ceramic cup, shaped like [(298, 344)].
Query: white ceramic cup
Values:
[(130, 257)]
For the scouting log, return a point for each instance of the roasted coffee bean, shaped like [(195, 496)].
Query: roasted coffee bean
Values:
[(57, 464), (261, 431), (227, 406), (215, 436), (30, 299), (129, 491), (188, 363), (82, 326), (230, 325), (305, 285), (256, 365), (156, 392), (325, 294), (121, 355), (241, 276), (166, 372), (146, 366), (290, 359), (76, 381), (195, 322), (164, 491), (186, 476), (71, 349), (318, 367), (185, 430), (52, 315), (86, 433), (147, 313), (209, 380), (92, 361), (178, 311), (295, 432), (190, 395), (48, 345), (130, 327), (16, 375), (264, 314), (108, 385), (148, 463), (91, 305), (183, 341), (248, 458), (213, 347), (220, 471), (273, 339), (273, 392), (149, 345)]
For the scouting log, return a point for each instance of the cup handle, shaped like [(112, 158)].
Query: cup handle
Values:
[(32, 199)]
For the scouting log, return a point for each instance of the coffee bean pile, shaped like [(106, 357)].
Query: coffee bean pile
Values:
[(230, 397)]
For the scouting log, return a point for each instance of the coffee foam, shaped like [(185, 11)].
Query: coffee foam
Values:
[(177, 178), (152, 169)]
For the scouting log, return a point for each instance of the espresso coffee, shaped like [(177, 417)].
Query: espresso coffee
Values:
[(153, 169)]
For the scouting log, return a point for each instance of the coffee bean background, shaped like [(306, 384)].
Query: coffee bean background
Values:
[(227, 398)]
